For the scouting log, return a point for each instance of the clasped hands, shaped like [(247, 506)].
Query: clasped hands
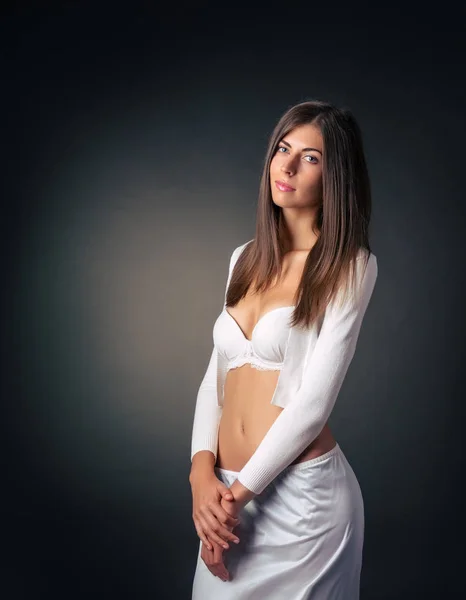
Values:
[(213, 557), (215, 513)]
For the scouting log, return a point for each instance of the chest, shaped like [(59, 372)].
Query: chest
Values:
[(251, 309)]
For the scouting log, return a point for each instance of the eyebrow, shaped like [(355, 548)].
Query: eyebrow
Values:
[(304, 149)]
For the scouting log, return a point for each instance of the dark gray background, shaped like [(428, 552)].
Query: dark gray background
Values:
[(132, 147)]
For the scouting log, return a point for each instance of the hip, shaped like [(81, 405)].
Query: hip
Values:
[(319, 498)]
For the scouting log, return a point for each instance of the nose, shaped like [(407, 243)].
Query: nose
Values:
[(286, 166)]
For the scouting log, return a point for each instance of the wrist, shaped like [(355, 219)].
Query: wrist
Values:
[(241, 494), (202, 464)]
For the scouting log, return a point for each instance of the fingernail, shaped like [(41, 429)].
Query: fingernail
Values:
[(236, 541)]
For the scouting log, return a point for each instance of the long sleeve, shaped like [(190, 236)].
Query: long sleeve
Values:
[(304, 417), (207, 412)]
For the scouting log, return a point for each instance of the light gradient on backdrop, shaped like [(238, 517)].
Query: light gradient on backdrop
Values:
[(123, 275), (123, 278), (125, 270), (136, 181)]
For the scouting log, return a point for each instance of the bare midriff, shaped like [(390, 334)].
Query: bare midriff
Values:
[(247, 415)]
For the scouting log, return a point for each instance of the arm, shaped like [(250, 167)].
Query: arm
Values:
[(207, 416), (301, 421), (207, 413)]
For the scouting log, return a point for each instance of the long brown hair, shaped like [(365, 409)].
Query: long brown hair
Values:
[(342, 222)]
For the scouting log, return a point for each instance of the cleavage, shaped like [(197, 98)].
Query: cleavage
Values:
[(280, 295), (263, 313)]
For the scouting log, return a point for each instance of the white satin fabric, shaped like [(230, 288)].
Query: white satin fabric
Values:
[(300, 539)]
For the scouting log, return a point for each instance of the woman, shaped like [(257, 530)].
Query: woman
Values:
[(266, 471)]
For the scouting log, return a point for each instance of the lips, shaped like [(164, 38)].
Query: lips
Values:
[(284, 187)]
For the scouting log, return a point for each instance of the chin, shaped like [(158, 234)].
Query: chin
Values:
[(277, 202), (281, 201)]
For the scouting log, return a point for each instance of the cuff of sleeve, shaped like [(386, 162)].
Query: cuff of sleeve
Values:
[(208, 442), (255, 481)]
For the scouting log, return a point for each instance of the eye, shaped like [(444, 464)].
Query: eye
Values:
[(316, 160)]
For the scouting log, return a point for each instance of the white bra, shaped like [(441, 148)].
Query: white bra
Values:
[(266, 349)]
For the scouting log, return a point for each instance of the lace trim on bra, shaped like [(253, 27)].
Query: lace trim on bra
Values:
[(254, 362)]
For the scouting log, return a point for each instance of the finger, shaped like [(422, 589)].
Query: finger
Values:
[(211, 528), (209, 523), (211, 562), (208, 558), (225, 532), (202, 535), (214, 529), (224, 490), (225, 520), (218, 559), (229, 520), (214, 562), (205, 554), (222, 515)]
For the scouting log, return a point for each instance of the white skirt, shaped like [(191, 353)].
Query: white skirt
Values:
[(300, 539)]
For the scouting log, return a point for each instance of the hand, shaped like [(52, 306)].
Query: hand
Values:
[(212, 521), (214, 561), (232, 507)]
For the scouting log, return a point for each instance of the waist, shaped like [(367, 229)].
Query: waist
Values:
[(247, 415)]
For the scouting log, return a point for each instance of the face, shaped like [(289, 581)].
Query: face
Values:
[(298, 162)]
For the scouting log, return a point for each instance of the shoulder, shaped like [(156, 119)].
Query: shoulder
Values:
[(236, 253), (367, 261)]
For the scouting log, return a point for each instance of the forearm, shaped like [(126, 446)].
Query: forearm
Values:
[(207, 415), (304, 417), (241, 494), (202, 462)]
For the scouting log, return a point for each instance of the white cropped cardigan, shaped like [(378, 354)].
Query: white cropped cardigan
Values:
[(315, 364)]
